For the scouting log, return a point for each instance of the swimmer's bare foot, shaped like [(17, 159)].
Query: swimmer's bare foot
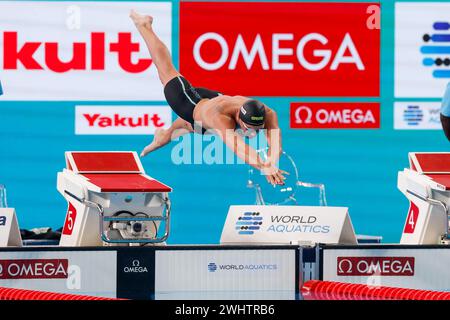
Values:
[(141, 20), (161, 138)]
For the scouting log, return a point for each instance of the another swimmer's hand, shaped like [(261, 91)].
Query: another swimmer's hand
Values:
[(274, 175)]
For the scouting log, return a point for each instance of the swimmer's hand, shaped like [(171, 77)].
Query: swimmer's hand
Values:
[(274, 175)]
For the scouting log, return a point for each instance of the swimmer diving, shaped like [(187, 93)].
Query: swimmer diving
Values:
[(205, 111)]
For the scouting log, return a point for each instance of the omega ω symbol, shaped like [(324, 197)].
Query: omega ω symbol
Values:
[(301, 113)]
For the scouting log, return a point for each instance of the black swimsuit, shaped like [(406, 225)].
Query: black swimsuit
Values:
[(182, 97)]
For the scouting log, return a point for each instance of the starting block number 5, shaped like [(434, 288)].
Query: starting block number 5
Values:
[(70, 220)]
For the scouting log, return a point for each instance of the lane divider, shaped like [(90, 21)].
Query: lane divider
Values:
[(23, 294), (329, 290)]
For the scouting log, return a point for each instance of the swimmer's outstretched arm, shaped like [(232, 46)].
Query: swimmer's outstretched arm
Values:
[(273, 134), (248, 154)]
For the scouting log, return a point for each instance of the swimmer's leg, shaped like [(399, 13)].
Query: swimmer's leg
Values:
[(158, 50), (163, 136)]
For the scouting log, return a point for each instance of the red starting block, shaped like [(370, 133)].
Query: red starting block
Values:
[(426, 184), (112, 201)]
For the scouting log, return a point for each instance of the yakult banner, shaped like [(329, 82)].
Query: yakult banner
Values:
[(126, 120), (75, 272), (79, 50), (412, 268), (422, 52), (282, 49), (349, 115)]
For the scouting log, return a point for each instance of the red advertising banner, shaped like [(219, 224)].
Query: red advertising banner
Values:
[(34, 269), (282, 49), (382, 266), (348, 115)]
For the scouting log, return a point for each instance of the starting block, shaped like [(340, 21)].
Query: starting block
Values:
[(111, 201), (426, 184)]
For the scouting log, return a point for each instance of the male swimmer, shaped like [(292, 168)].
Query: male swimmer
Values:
[(445, 112), (201, 109)]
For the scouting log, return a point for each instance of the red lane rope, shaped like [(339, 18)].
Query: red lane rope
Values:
[(23, 294), (330, 290)]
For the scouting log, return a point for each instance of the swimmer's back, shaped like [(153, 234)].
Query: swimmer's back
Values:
[(208, 111)]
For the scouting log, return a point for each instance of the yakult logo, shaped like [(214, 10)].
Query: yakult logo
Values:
[(76, 52), (121, 120), (324, 55), (34, 269), (97, 119), (382, 266), (335, 115), (81, 59)]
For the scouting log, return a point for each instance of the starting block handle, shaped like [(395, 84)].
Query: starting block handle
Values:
[(86, 202), (116, 219)]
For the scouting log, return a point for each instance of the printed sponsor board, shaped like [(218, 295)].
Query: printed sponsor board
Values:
[(75, 272), (383, 266), (312, 115), (417, 116), (293, 49), (136, 273), (422, 55), (125, 120), (225, 270), (393, 267), (79, 50), (287, 224)]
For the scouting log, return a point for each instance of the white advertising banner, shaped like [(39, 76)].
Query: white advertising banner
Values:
[(126, 120), (225, 270), (70, 50), (9, 228), (406, 268), (75, 272), (287, 224), (417, 116), (422, 31)]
